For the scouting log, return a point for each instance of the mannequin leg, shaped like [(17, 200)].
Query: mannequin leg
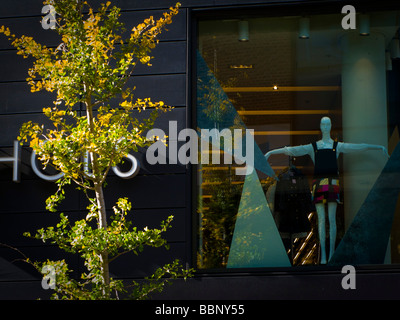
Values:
[(332, 227), (320, 207)]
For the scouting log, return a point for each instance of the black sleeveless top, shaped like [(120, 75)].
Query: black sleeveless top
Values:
[(325, 162)]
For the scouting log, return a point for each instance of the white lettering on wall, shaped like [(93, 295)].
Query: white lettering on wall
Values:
[(15, 159)]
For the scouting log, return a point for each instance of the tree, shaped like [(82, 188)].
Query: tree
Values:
[(91, 66)]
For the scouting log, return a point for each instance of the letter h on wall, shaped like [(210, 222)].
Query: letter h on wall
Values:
[(15, 160)]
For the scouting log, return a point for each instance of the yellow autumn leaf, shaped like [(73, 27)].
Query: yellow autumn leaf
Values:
[(126, 104), (34, 142)]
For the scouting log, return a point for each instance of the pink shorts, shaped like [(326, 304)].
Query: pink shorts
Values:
[(325, 190)]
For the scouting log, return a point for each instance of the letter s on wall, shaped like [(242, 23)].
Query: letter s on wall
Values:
[(133, 171)]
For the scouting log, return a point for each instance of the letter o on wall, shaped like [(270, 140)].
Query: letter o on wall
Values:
[(41, 174), (133, 171)]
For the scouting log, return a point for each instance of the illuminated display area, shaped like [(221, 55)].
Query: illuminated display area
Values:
[(285, 77)]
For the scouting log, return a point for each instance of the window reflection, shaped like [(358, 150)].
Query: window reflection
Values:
[(281, 86)]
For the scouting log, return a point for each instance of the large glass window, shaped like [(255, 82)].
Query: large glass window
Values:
[(276, 85)]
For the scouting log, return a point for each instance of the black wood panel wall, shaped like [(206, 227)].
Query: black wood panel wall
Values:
[(156, 192)]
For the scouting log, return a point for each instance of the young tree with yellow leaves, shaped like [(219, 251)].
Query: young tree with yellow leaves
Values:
[(91, 66)]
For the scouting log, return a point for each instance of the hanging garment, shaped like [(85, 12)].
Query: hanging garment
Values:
[(292, 202), (325, 185)]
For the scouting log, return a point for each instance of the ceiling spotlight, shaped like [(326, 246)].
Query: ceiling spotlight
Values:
[(275, 87), (395, 48), (304, 28), (364, 25), (243, 31)]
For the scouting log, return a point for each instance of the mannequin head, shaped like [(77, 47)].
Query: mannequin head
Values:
[(325, 125)]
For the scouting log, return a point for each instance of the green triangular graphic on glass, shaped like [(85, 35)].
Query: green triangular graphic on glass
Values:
[(256, 241), (366, 240)]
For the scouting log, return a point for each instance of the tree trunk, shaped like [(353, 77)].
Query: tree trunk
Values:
[(103, 224), (101, 207)]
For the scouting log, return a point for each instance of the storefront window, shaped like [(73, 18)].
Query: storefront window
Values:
[(275, 85)]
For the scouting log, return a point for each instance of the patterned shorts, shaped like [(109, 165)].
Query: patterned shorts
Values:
[(325, 190)]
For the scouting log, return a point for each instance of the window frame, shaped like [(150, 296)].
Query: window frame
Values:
[(271, 9)]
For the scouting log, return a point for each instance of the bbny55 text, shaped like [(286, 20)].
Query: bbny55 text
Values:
[(230, 309)]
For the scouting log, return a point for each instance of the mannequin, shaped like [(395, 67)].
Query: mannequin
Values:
[(325, 189)]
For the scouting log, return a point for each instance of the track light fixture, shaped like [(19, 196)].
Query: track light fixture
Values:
[(304, 28), (364, 25), (243, 30)]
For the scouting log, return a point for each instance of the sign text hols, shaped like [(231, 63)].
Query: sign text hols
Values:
[(15, 159)]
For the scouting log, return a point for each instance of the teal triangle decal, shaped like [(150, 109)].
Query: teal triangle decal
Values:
[(256, 241), (366, 240)]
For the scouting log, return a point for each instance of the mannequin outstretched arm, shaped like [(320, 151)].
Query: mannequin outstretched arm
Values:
[(293, 151), (356, 147)]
